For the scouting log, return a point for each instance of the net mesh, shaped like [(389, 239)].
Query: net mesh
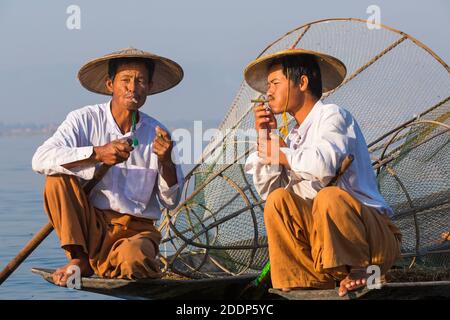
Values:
[(416, 184), (391, 78)]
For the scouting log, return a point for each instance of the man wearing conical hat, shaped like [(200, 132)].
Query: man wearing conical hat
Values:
[(111, 231), (317, 233)]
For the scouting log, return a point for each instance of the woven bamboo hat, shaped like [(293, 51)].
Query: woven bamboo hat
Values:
[(332, 70), (166, 75)]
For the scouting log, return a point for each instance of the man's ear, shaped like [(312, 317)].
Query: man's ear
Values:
[(303, 84), (109, 85)]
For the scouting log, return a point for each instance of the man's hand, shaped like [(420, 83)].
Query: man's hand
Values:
[(269, 149), (114, 152), (264, 120), (162, 146)]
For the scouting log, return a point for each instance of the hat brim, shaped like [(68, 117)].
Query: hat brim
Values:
[(166, 75), (332, 70)]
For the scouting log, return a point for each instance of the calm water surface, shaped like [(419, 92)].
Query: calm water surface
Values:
[(21, 215)]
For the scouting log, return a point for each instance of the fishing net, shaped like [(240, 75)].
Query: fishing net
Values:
[(414, 179), (393, 82)]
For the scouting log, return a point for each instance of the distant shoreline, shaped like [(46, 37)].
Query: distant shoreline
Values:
[(26, 132), (30, 129)]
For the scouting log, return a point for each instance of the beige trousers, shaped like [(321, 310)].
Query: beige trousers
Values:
[(311, 243), (118, 245)]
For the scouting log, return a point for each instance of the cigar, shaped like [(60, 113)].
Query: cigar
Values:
[(259, 101), (134, 100), (266, 106)]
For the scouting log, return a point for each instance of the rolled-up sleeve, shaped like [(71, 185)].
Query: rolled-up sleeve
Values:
[(266, 178), (68, 144)]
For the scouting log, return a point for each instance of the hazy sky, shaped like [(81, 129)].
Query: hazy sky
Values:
[(212, 40)]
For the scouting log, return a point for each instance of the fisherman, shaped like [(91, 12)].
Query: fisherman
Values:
[(317, 234), (111, 231)]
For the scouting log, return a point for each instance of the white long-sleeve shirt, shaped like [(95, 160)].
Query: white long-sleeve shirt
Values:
[(315, 152), (127, 187)]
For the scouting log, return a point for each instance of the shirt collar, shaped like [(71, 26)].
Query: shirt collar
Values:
[(303, 127), (113, 125)]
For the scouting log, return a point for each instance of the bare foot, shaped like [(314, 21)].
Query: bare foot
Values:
[(356, 279), (61, 275)]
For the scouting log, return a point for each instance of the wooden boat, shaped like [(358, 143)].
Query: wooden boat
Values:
[(219, 287)]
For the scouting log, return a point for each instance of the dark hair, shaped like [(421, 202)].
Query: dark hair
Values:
[(114, 64), (302, 65)]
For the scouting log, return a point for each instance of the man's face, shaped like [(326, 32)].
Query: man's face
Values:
[(130, 85), (277, 90)]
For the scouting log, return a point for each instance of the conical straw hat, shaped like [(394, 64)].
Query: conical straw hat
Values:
[(332, 70), (166, 75)]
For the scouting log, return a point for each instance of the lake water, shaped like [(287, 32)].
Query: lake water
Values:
[(21, 216)]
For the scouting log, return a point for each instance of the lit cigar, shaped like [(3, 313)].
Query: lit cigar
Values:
[(134, 100)]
